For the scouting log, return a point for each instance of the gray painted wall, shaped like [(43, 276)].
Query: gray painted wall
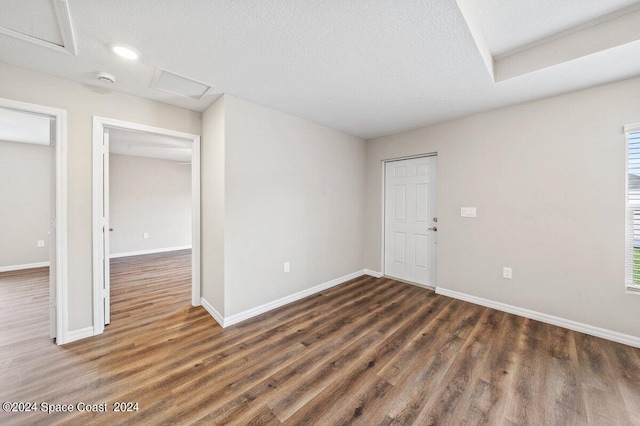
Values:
[(152, 196), (82, 102), (293, 192), (548, 180), (24, 203), (213, 202)]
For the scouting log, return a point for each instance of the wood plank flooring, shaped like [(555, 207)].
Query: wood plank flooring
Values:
[(370, 351)]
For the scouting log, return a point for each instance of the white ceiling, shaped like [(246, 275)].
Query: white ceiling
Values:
[(16, 126), (40, 21), (368, 68), (149, 145), (508, 25)]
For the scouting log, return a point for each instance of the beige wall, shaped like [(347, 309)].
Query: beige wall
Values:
[(293, 191), (82, 102), (212, 203), (24, 203), (548, 180), (152, 196)]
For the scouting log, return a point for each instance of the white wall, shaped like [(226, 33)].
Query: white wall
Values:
[(24, 203), (148, 195), (548, 180), (293, 191), (82, 102)]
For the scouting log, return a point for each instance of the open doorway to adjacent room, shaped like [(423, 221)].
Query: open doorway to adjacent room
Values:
[(147, 222), (33, 232)]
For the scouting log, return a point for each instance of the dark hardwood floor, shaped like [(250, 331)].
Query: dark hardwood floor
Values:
[(370, 351)]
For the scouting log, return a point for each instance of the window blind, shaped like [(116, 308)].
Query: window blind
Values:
[(632, 251)]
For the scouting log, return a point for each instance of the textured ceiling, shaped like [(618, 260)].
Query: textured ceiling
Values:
[(368, 68), (508, 25), (40, 21)]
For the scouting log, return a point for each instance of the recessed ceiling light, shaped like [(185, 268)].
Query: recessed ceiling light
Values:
[(124, 51)]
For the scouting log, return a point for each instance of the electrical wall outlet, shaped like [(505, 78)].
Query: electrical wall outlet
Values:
[(287, 267), (145, 235), (507, 273), (40, 243)]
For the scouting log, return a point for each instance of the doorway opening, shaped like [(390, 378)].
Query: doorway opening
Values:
[(32, 207), (410, 220), (146, 220)]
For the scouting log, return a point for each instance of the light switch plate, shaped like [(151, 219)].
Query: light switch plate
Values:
[(40, 243), (468, 212), (145, 235)]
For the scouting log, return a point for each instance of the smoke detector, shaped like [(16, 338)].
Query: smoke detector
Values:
[(106, 77)]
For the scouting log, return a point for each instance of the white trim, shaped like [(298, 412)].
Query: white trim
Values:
[(63, 17), (212, 311), (195, 222), (98, 245), (158, 74), (61, 301), (374, 274), (63, 14), (99, 123), (81, 333), (250, 313), (23, 266), (549, 319), (632, 290), (150, 251), (383, 184), (629, 128)]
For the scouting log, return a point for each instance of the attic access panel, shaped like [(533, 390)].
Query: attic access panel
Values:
[(46, 23), (179, 85)]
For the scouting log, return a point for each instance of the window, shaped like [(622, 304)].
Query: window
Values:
[(632, 252)]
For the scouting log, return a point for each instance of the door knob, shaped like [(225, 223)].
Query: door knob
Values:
[(110, 229), (434, 229)]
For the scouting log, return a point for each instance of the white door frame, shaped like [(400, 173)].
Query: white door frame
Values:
[(99, 123), (384, 199), (61, 300)]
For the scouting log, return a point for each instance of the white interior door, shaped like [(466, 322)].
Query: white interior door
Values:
[(52, 229), (411, 220), (106, 228)]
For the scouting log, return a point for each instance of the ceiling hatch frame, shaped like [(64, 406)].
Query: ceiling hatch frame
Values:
[(63, 18), (160, 71)]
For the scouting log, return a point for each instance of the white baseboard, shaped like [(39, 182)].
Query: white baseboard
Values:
[(374, 274), (250, 313), (79, 334), (212, 311), (25, 266), (614, 336), (151, 251)]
